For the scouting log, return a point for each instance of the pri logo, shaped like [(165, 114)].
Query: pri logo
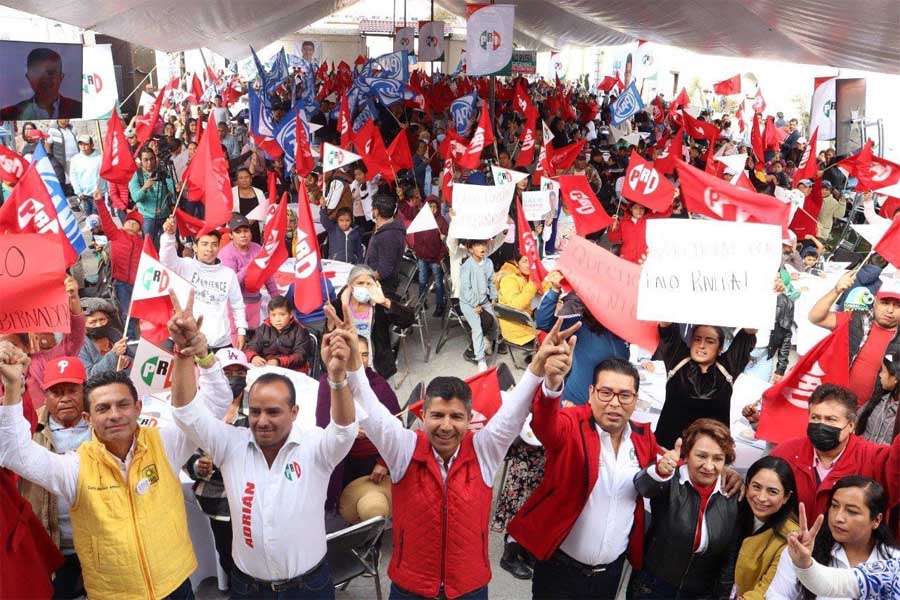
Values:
[(156, 366), (582, 202), (646, 175), (155, 280), (431, 41), (34, 211), (91, 83), (489, 40), (723, 208), (292, 471), (12, 164), (809, 381), (306, 256), (880, 172)]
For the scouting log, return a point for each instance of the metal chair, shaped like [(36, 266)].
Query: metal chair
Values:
[(356, 551), (415, 395), (407, 273), (514, 315)]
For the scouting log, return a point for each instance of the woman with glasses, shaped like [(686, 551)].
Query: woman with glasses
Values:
[(694, 536)]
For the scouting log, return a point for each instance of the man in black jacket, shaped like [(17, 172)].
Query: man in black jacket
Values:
[(387, 244)]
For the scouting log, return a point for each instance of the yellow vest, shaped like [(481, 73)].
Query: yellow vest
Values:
[(131, 545), (757, 560)]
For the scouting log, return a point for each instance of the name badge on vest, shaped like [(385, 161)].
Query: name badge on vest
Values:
[(143, 486)]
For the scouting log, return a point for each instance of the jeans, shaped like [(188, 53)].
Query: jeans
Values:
[(316, 585), (401, 594), (475, 321), (87, 205), (553, 580), (182, 592), (153, 226), (427, 269), (123, 295)]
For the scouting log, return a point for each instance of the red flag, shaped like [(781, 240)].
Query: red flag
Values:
[(273, 252), (680, 101), (34, 297), (665, 160), (526, 139), (657, 110), (785, 405), (729, 86), (808, 167), (707, 195), (208, 175), (399, 154), (608, 83), (485, 399), (561, 159), (646, 186), (543, 167), (871, 172), (307, 265), (150, 301), (29, 209), (144, 125), (523, 101), (699, 130), (608, 286), (804, 222), (188, 225), (770, 136), (344, 123), (528, 247), (582, 204), (303, 158), (13, 165), (447, 180), (756, 141), (322, 73), (739, 115), (360, 60), (889, 207), (196, 89), (759, 103), (369, 143), (889, 245), (483, 136), (118, 164)]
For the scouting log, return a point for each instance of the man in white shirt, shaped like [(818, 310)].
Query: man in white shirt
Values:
[(217, 286), (443, 475), (126, 475), (276, 474), (84, 174)]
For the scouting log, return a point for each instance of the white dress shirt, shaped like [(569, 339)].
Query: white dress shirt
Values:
[(600, 534), (58, 473), (396, 444), (277, 513)]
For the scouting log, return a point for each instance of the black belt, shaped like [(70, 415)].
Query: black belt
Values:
[(282, 585), (564, 560)]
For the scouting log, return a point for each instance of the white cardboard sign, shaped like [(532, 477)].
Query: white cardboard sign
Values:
[(480, 211), (536, 205)]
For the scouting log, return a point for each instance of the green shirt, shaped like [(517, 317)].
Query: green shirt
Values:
[(154, 201)]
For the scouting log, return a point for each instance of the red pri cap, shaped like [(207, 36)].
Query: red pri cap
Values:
[(66, 369), (135, 216)]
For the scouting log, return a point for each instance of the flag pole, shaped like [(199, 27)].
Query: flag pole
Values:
[(119, 365), (138, 86)]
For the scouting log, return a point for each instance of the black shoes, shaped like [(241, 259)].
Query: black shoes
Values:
[(515, 561)]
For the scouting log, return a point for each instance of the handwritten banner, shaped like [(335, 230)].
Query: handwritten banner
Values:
[(480, 211), (536, 205), (710, 272), (608, 286), (31, 277)]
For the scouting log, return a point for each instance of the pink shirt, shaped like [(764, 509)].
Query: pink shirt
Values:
[(238, 262)]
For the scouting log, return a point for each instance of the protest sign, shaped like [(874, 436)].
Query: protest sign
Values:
[(524, 62), (152, 370), (31, 276), (608, 286), (710, 272), (480, 210), (98, 82), (536, 205)]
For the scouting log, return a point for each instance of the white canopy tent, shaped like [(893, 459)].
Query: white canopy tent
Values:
[(860, 35)]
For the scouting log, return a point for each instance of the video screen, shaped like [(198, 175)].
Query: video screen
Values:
[(40, 81)]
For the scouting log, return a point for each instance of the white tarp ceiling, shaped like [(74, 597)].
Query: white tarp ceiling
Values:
[(861, 35)]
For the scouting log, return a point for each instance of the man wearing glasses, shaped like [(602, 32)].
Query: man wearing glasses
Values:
[(586, 514)]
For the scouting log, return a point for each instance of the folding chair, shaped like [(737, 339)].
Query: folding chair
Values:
[(414, 396), (508, 313), (356, 551), (407, 273)]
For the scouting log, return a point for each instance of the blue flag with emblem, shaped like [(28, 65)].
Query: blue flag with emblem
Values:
[(394, 66), (627, 105), (261, 122), (461, 110), (66, 217)]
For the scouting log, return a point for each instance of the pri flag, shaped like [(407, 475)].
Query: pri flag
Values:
[(579, 198), (208, 174), (483, 136), (369, 143), (188, 225), (13, 165), (150, 300), (431, 40), (152, 370), (399, 154), (526, 139), (489, 39), (728, 87), (486, 399), (665, 160), (646, 186), (822, 113), (872, 172), (561, 159), (506, 176), (785, 405), (307, 264), (889, 245), (334, 157), (608, 286), (756, 141), (809, 166), (404, 38), (303, 160), (699, 130), (118, 164), (345, 123), (528, 247), (273, 252), (627, 105)]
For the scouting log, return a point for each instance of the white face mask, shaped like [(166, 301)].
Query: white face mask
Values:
[(441, 136), (361, 294)]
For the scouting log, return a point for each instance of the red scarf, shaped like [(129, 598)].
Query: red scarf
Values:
[(705, 493)]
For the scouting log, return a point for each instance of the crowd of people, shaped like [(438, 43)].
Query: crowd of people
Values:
[(92, 501)]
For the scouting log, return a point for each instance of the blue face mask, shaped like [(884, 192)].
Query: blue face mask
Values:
[(441, 136), (361, 294)]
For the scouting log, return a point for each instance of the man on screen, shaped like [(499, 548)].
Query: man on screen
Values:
[(44, 72)]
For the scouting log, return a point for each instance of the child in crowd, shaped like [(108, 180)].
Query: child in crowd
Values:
[(344, 240), (476, 293), (878, 417), (811, 255), (280, 340)]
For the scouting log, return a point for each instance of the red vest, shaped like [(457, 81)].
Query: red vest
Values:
[(441, 530), (572, 444)]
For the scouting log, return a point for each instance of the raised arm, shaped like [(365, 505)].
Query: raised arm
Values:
[(110, 228), (57, 473), (821, 314)]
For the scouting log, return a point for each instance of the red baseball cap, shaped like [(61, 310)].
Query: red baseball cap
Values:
[(66, 369)]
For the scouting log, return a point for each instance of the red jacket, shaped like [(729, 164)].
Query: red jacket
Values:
[(860, 457), (120, 195), (572, 444), (633, 236), (441, 537), (125, 249)]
